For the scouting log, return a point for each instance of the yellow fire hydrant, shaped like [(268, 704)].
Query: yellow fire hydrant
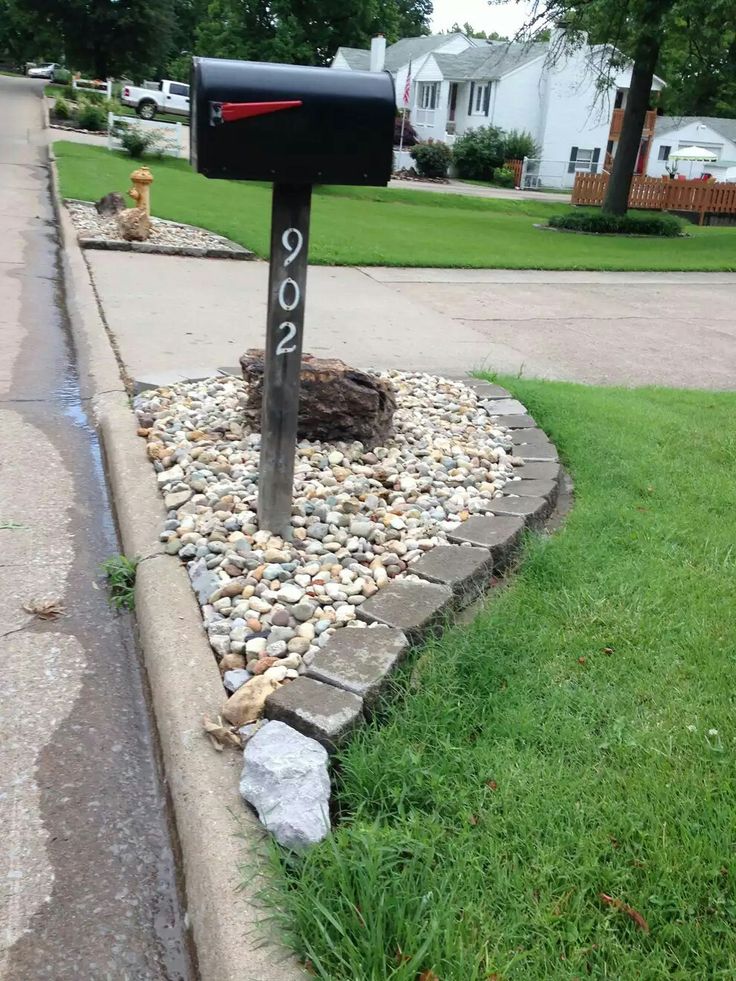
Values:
[(141, 190)]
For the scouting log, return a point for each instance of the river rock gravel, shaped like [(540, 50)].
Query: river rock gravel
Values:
[(90, 225), (360, 517)]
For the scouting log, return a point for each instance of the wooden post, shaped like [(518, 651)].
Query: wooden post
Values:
[(284, 329)]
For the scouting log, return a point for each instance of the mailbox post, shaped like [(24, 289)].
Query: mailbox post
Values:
[(295, 127)]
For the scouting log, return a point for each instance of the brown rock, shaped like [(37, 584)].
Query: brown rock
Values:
[(111, 204), (262, 664), (231, 662), (134, 225), (248, 702), (336, 402), (232, 588)]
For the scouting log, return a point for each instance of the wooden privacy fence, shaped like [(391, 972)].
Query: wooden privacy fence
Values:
[(517, 166), (661, 194)]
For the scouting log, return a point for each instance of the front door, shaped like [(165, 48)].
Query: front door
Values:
[(453, 102)]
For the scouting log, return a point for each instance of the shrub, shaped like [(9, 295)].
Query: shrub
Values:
[(134, 139), (62, 76), (432, 158), (61, 108), (666, 226), (70, 93), (410, 134), (91, 116), (479, 152), (504, 177), (519, 144), (92, 95)]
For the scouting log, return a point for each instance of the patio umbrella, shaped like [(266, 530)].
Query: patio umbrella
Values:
[(693, 154)]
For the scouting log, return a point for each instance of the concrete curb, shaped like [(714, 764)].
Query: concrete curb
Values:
[(216, 834)]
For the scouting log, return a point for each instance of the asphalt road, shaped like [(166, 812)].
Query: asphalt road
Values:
[(87, 875)]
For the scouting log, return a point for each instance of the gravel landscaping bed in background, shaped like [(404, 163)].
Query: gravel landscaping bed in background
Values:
[(167, 237)]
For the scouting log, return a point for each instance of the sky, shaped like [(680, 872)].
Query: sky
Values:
[(505, 18)]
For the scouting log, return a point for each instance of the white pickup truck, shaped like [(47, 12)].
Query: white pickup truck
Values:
[(168, 97)]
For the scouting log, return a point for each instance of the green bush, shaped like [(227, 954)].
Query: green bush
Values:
[(135, 140), (91, 116), (62, 76), (504, 177), (70, 93), (477, 154), (519, 144), (666, 226), (432, 158), (92, 95), (62, 109)]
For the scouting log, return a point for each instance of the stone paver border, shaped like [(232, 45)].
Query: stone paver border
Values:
[(354, 668)]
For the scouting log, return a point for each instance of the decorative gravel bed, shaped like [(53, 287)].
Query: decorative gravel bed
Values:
[(361, 517), (98, 231)]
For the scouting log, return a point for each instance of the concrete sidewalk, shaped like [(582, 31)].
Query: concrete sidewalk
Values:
[(175, 317)]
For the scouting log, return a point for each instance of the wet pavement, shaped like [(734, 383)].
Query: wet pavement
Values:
[(88, 887)]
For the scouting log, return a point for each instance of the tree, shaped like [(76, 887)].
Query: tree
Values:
[(469, 31), (699, 65), (642, 29), (105, 37)]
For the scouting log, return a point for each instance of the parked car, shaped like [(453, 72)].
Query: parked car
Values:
[(43, 71), (168, 97)]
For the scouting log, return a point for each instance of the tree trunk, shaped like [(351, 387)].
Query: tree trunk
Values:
[(616, 200)]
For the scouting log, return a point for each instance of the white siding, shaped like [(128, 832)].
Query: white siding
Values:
[(518, 102), (339, 61), (576, 114), (691, 134)]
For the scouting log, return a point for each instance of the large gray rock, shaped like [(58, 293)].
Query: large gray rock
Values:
[(285, 778), (336, 402)]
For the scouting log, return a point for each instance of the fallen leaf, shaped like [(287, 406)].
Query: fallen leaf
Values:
[(221, 735), (609, 650), (401, 957), (491, 784), (582, 660), (619, 904), (427, 976), (473, 819), (45, 609), (360, 915)]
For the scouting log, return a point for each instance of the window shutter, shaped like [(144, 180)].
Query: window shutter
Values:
[(573, 159), (470, 104), (487, 105), (594, 160)]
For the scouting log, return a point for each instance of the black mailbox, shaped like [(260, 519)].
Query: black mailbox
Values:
[(291, 124)]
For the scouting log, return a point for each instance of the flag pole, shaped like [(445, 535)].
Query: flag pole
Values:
[(407, 99)]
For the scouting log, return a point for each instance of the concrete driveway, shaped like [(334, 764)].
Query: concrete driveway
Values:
[(179, 317)]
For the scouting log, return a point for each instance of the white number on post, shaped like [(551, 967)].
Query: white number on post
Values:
[(283, 346), (294, 303), (294, 249)]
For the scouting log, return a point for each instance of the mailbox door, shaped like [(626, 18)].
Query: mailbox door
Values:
[(291, 124)]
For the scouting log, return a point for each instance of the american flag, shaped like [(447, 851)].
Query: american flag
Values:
[(407, 87)]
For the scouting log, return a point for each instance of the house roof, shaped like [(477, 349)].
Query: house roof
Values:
[(488, 62), (358, 59), (668, 124), (399, 54)]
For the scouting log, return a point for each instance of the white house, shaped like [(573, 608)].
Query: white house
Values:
[(457, 83), (677, 132)]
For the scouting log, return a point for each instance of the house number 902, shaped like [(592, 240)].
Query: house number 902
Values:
[(289, 292)]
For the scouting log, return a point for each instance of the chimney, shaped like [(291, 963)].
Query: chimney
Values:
[(378, 53)]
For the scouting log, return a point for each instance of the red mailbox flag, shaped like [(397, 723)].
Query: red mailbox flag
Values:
[(232, 111)]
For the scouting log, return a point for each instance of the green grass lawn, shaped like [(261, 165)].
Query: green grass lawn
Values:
[(377, 226), (576, 739)]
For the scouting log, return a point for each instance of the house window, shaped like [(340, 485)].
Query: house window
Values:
[(481, 98), (583, 160), (429, 93), (664, 153)]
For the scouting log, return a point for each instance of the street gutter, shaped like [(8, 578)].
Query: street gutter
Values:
[(222, 845)]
